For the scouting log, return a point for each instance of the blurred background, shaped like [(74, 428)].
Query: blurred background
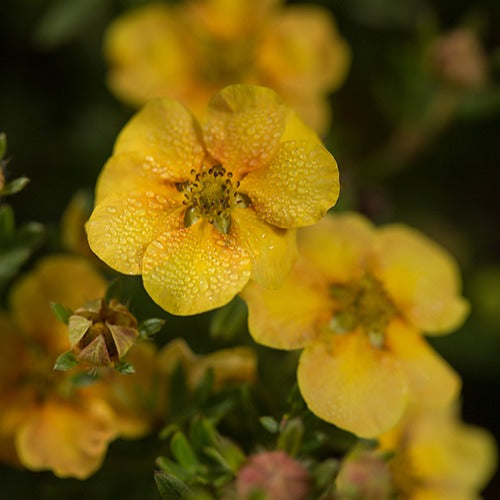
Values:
[(416, 141)]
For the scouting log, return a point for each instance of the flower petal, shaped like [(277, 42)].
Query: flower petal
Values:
[(273, 250), (421, 277), (349, 383), (120, 229), (243, 126), (69, 440), (194, 269), (297, 186), (292, 316), (70, 281), (339, 246), (167, 135), (432, 381)]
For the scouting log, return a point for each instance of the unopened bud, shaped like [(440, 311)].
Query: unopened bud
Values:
[(100, 334)]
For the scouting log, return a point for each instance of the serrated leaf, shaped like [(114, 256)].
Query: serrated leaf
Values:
[(14, 186), (171, 488), (229, 321), (270, 424), (62, 313), (124, 367), (183, 452), (65, 361), (3, 144), (150, 326)]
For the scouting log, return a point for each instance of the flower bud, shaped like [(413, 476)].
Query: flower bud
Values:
[(275, 474), (100, 333)]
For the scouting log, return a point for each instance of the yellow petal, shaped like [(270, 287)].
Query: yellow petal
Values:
[(297, 186), (69, 440), (292, 316), (272, 250), (70, 281), (444, 451), (295, 128), (432, 381), (120, 229), (194, 269), (243, 126), (166, 134), (349, 383), (339, 246), (126, 172), (421, 278), (146, 55)]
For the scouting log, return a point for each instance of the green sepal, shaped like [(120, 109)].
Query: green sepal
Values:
[(150, 326), (171, 488), (65, 361), (124, 367), (62, 313)]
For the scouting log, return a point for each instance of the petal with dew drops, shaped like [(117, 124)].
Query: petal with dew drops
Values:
[(194, 269), (120, 229), (297, 186), (243, 126), (167, 135), (273, 250), (349, 383), (338, 245), (297, 130), (421, 277), (292, 316), (432, 381), (69, 440), (131, 172), (69, 281)]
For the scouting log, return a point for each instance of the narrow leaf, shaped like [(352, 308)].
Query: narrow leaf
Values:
[(150, 326), (62, 313), (65, 361), (183, 452), (14, 186), (169, 487)]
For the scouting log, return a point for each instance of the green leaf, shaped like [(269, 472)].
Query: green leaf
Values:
[(183, 452), (65, 361), (150, 326), (229, 321), (124, 367), (84, 379), (168, 430), (204, 388), (169, 487), (291, 436), (7, 223), (62, 313), (14, 186), (173, 468), (3, 144), (270, 424)]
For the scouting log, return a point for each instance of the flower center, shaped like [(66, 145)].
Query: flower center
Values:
[(212, 194), (362, 304)]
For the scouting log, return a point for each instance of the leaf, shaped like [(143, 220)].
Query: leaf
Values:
[(7, 223), (183, 452), (169, 487), (124, 367), (84, 379), (14, 186), (150, 326), (113, 290), (3, 144), (229, 321), (62, 313), (291, 436), (65, 361), (270, 424)]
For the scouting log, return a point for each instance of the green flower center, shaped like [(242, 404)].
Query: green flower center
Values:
[(212, 194), (362, 304)]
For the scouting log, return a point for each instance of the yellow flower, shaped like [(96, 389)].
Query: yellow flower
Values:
[(356, 302), (198, 212), (192, 51), (47, 421), (237, 364), (437, 457)]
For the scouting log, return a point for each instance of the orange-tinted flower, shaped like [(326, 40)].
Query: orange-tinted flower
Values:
[(437, 457), (200, 211), (356, 302), (192, 51), (47, 420)]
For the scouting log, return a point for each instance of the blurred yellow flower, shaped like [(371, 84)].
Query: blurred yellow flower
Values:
[(47, 420), (191, 51), (356, 302), (200, 211), (437, 457)]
